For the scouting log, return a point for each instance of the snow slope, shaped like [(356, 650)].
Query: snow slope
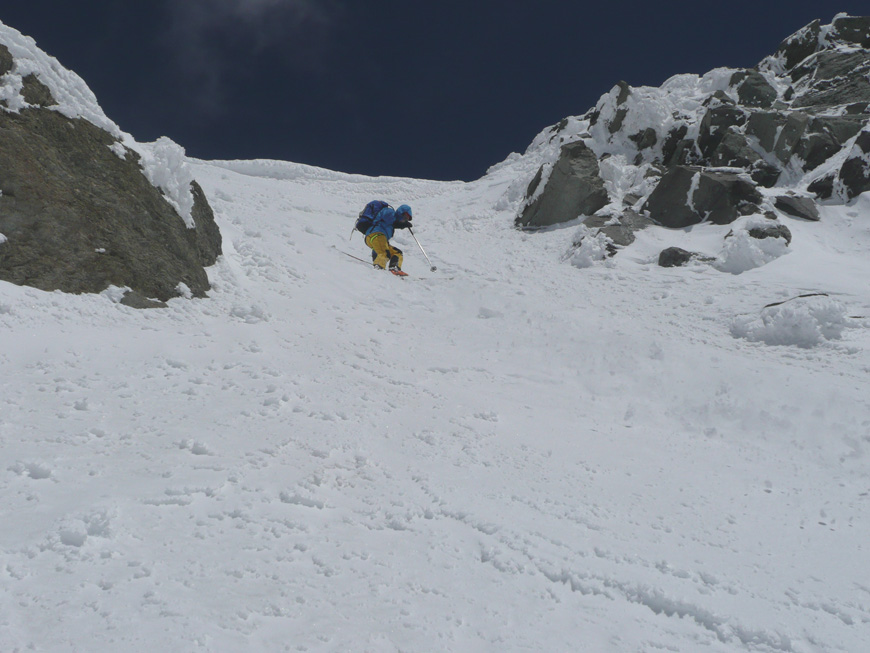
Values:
[(508, 454)]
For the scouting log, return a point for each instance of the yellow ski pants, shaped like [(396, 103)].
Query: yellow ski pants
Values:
[(384, 253)]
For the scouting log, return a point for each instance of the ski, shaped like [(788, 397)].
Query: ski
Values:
[(355, 258), (397, 273)]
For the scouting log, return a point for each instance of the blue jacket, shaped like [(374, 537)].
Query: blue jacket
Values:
[(384, 222)]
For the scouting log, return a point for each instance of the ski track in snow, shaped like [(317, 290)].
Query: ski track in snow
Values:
[(507, 454)]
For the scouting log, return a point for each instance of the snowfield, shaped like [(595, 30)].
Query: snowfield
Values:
[(512, 453)]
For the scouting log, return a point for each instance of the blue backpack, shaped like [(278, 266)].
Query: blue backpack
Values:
[(367, 215)]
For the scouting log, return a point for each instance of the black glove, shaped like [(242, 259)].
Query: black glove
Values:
[(402, 224)]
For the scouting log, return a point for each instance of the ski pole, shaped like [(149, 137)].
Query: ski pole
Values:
[(431, 267)]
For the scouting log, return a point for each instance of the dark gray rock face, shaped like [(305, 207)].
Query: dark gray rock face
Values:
[(853, 29), (734, 151), (206, 237), (36, 93), (573, 189), (773, 230), (686, 196), (766, 126), (855, 172), (6, 60), (645, 139), (619, 230), (837, 78), (798, 207), (823, 188), (78, 218), (134, 299), (800, 45), (674, 257), (717, 122), (753, 89)]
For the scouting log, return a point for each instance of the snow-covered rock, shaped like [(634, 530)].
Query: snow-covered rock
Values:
[(83, 206), (574, 188), (796, 125)]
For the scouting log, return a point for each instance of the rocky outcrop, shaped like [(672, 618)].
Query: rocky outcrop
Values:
[(798, 207), (675, 257), (79, 215), (854, 174), (573, 189), (771, 230), (691, 195), (619, 229), (769, 141)]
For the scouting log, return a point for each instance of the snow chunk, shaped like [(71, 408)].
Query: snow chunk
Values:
[(184, 290), (166, 167), (119, 150), (115, 293), (742, 252), (34, 470), (802, 322), (591, 249)]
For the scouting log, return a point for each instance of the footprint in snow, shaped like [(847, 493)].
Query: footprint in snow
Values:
[(196, 448), (36, 471)]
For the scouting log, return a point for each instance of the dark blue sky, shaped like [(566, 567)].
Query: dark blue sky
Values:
[(437, 90)]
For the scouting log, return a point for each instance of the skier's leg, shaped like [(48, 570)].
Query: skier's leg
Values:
[(378, 243), (395, 257)]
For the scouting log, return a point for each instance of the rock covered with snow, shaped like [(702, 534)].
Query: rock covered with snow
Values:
[(768, 141), (574, 188), (83, 206), (690, 195)]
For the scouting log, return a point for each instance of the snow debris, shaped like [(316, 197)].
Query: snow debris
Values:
[(592, 249), (801, 322), (166, 167), (743, 252), (119, 150), (115, 293), (183, 290)]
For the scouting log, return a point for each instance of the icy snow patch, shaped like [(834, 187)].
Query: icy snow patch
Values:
[(802, 322)]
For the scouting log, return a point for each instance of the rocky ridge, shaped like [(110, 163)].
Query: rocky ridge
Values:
[(732, 147), (83, 206)]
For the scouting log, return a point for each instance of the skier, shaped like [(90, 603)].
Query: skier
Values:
[(378, 236)]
